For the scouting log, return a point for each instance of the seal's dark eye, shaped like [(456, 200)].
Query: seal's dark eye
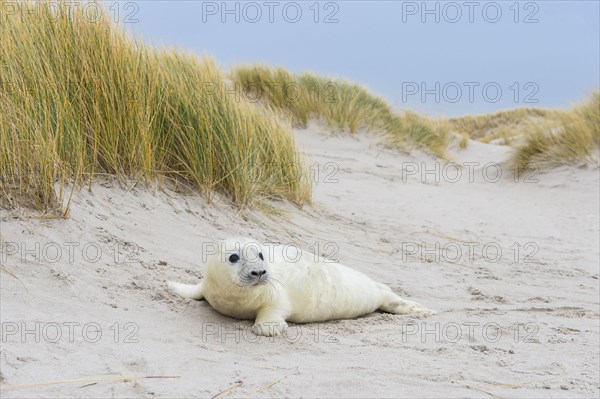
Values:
[(234, 258), (261, 256)]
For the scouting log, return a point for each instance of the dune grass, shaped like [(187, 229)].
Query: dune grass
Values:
[(408, 127), (505, 125), (575, 139), (342, 105), (81, 98)]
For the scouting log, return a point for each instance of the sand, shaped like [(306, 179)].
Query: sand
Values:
[(511, 267)]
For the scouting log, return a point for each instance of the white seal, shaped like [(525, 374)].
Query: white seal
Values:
[(272, 284)]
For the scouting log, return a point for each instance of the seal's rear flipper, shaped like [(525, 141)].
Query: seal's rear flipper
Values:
[(186, 290), (392, 303)]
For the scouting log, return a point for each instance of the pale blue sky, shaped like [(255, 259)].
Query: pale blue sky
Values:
[(386, 46)]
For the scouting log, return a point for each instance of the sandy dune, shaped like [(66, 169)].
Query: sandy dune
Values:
[(510, 266)]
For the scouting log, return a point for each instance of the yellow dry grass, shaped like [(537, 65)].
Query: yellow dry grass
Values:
[(574, 139), (80, 98)]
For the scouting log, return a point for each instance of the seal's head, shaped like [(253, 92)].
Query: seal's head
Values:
[(240, 261)]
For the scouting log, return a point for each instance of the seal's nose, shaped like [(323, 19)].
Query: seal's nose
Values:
[(258, 273)]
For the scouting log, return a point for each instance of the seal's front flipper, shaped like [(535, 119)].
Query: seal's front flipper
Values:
[(269, 323), (270, 328), (186, 290)]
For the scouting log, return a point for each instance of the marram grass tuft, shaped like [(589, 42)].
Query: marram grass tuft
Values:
[(80, 98), (573, 138)]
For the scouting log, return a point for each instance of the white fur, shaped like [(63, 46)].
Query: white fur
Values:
[(308, 289)]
